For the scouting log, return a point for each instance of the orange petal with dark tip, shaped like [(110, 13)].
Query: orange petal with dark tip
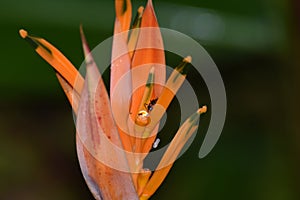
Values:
[(123, 14), (56, 59), (182, 136), (145, 58)]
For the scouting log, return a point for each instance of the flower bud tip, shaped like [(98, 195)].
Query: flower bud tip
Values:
[(188, 59), (202, 110), (23, 33)]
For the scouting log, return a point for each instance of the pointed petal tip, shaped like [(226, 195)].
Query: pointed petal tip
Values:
[(81, 29), (82, 36), (23, 33), (150, 2), (81, 32), (85, 46)]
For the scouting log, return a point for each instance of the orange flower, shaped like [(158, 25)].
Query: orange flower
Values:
[(114, 135)]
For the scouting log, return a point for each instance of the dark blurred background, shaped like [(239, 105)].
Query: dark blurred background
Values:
[(255, 45)]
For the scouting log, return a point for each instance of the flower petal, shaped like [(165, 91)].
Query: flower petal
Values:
[(71, 94), (56, 59), (99, 139), (173, 84), (134, 34), (120, 91), (149, 36), (123, 14), (120, 83), (176, 145), (100, 150)]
